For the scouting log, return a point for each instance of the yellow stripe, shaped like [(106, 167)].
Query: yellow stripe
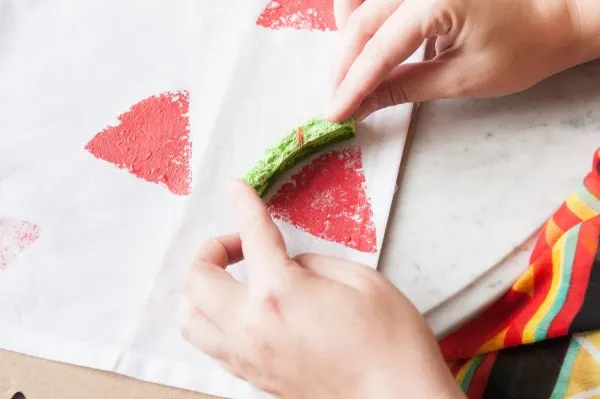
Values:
[(585, 374), (494, 343), (525, 283), (557, 268), (579, 209), (553, 232), (463, 371)]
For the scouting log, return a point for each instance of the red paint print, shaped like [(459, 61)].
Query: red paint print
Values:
[(298, 14), (328, 199), (152, 141), (15, 237)]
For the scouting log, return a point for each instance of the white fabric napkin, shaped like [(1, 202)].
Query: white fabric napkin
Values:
[(119, 123)]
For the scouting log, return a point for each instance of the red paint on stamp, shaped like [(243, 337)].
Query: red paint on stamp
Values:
[(300, 137), (298, 14), (15, 237), (151, 141), (327, 198)]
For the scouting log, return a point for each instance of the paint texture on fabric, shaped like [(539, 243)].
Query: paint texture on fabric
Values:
[(298, 14), (151, 141), (15, 237), (328, 199)]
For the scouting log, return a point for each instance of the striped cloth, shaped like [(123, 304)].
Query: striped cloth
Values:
[(542, 338)]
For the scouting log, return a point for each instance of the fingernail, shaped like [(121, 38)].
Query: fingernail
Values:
[(332, 110)]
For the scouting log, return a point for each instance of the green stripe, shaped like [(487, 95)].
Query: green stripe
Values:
[(571, 239), (562, 382), (470, 373), (588, 198)]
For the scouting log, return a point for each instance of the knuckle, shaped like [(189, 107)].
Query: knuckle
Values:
[(207, 246), (214, 351), (227, 366), (263, 353), (360, 27), (211, 244), (398, 94), (369, 289), (373, 284), (218, 250), (265, 377), (243, 367), (204, 271), (257, 343), (300, 258), (378, 53), (270, 305), (198, 269), (441, 20)]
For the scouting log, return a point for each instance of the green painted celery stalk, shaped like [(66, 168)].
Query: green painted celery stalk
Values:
[(304, 140)]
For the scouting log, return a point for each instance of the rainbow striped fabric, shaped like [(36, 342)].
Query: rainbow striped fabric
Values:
[(542, 338)]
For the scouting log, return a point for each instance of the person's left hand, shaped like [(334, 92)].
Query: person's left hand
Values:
[(312, 326)]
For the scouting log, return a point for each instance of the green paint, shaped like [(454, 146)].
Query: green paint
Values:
[(306, 139)]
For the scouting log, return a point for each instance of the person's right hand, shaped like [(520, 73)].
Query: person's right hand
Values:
[(483, 49)]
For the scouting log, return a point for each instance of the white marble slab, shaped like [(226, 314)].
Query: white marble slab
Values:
[(481, 177), (481, 292)]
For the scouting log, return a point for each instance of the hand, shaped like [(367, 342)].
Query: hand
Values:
[(308, 327), (482, 49)]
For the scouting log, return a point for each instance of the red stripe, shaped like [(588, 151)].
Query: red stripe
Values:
[(465, 342), (480, 379), (565, 219), (592, 183), (592, 180), (455, 369), (540, 246), (513, 310), (580, 275)]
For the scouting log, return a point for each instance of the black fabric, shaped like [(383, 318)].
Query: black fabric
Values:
[(588, 317), (527, 372)]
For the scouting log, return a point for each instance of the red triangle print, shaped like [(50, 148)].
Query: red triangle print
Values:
[(298, 14), (151, 141), (328, 199), (15, 237)]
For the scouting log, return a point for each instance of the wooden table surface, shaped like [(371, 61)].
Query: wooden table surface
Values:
[(43, 379)]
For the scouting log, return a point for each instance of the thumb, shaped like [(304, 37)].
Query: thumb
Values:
[(262, 243), (419, 82)]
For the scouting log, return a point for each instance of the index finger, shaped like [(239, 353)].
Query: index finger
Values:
[(342, 10), (359, 27), (262, 243), (398, 38)]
